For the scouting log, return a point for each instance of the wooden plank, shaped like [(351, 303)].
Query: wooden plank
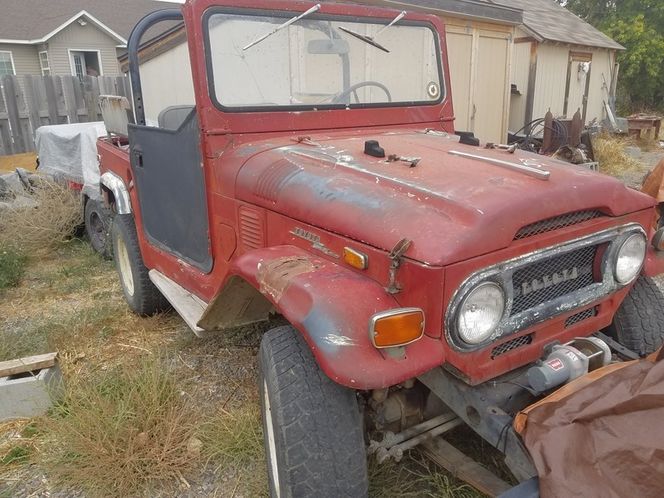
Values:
[(60, 100), (16, 144), (51, 101), (26, 134), (106, 85), (5, 139), (119, 86), (27, 364), (127, 91), (464, 467), (32, 101), (70, 99), (91, 97)]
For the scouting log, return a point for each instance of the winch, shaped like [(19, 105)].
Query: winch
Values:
[(569, 361)]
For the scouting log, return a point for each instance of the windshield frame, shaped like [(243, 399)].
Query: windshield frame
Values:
[(317, 16)]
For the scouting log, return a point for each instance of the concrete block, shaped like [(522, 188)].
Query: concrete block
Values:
[(29, 394)]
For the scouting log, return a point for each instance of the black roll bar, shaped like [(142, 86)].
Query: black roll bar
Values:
[(133, 46)]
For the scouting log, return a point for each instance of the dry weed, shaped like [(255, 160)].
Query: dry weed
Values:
[(610, 153), (48, 218), (415, 477), (120, 433), (233, 441)]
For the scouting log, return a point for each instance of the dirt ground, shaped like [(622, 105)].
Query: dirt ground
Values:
[(70, 299), (26, 161)]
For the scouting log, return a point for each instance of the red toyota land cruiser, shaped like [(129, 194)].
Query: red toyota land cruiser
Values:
[(425, 283)]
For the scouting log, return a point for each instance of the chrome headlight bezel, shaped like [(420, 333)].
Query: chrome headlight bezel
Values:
[(632, 273), (501, 273), (500, 311)]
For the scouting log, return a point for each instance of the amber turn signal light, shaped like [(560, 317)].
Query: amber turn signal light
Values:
[(396, 327), (355, 258)]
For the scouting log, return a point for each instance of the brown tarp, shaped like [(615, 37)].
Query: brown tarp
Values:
[(653, 185), (601, 435)]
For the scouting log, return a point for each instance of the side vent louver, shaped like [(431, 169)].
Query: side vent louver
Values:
[(252, 233)]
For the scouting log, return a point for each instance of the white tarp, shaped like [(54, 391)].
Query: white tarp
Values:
[(69, 151)]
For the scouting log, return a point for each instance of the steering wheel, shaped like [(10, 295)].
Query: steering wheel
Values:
[(340, 97)]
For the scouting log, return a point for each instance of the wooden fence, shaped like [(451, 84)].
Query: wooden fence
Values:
[(34, 101)]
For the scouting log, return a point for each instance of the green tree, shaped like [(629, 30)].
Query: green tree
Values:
[(638, 25)]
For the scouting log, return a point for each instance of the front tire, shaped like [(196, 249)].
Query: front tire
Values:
[(639, 322), (140, 293), (312, 426)]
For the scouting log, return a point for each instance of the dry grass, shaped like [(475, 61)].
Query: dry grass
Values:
[(126, 427), (51, 217), (233, 439), (415, 477), (120, 433), (12, 266), (610, 153)]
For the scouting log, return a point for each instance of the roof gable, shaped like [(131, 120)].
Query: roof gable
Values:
[(35, 21), (550, 21)]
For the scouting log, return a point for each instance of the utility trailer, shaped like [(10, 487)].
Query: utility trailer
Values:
[(68, 153), (306, 168)]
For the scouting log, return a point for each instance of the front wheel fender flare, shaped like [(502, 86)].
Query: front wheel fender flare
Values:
[(331, 306)]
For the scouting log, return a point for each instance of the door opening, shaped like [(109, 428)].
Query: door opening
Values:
[(578, 84), (85, 63)]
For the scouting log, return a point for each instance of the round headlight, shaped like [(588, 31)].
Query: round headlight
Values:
[(629, 258), (480, 312)]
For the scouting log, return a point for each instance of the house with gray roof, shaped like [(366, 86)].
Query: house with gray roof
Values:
[(67, 37)]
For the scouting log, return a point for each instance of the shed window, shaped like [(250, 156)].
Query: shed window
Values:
[(44, 64), (6, 64)]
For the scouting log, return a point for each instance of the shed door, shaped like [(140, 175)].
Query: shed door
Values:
[(460, 55), (490, 102), (578, 84), (479, 61)]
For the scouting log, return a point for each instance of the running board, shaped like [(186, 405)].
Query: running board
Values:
[(188, 306)]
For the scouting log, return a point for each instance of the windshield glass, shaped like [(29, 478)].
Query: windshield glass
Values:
[(318, 62)]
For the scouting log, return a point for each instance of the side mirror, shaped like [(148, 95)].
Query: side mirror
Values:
[(328, 47)]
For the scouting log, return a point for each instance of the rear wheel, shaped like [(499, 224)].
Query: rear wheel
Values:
[(639, 322), (311, 426), (139, 291), (97, 225)]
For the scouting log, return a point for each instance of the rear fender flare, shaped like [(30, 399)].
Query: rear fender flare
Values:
[(114, 184), (331, 306)]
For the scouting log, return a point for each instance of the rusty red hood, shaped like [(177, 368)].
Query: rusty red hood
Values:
[(451, 207)]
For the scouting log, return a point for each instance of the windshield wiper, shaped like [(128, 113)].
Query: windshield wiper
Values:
[(371, 40), (282, 26)]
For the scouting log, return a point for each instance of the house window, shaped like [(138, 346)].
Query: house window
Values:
[(85, 63), (6, 64), (43, 62)]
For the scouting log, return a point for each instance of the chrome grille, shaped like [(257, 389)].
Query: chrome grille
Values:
[(557, 222), (508, 346), (581, 316), (551, 278)]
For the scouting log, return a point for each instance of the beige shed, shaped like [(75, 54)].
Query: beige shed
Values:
[(479, 44), (561, 63)]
